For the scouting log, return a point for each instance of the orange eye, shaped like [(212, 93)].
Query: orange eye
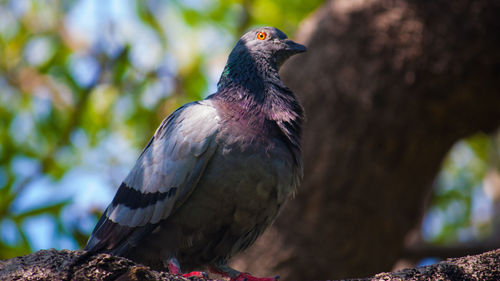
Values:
[(261, 35)]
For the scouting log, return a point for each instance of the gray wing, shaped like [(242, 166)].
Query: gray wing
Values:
[(166, 172)]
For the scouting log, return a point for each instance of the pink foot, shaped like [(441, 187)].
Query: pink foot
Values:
[(248, 277), (198, 274), (174, 268)]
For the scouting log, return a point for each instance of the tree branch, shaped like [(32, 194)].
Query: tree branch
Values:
[(72, 265)]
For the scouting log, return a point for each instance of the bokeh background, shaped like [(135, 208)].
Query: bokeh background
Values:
[(84, 84)]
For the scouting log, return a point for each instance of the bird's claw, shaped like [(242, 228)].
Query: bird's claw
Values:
[(197, 274), (247, 277), (174, 268)]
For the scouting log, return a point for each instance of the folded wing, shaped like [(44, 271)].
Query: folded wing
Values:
[(166, 172)]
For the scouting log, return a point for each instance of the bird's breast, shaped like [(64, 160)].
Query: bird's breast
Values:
[(245, 182), (258, 160)]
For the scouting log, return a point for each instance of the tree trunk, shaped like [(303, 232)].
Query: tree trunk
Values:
[(75, 265), (388, 88)]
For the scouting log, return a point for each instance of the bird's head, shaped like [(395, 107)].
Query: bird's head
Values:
[(267, 43), (259, 53)]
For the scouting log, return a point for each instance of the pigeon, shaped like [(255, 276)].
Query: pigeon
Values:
[(216, 172)]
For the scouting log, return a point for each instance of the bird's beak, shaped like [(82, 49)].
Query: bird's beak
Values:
[(293, 47)]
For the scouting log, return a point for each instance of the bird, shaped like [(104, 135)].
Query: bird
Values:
[(216, 172)]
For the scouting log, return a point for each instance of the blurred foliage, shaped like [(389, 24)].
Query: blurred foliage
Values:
[(464, 203), (84, 84)]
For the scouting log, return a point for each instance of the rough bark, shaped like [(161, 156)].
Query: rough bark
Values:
[(69, 265), (388, 87), (480, 267)]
